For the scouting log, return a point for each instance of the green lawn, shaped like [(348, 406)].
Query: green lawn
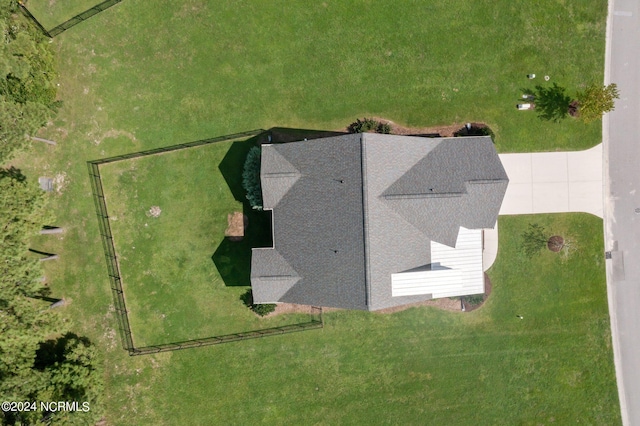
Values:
[(139, 76), (174, 266)]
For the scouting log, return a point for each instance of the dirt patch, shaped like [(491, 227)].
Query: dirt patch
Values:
[(114, 134), (237, 224), (154, 211), (59, 182), (555, 243)]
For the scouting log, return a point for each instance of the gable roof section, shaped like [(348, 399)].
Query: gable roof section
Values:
[(277, 176), (318, 222), (460, 182), (271, 275)]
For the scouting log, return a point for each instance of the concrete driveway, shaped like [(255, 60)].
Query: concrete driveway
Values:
[(548, 182), (554, 182)]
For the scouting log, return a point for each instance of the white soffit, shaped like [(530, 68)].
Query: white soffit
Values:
[(459, 272)]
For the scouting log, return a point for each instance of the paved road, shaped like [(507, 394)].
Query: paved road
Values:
[(622, 196)]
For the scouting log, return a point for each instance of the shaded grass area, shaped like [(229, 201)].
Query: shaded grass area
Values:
[(182, 279)]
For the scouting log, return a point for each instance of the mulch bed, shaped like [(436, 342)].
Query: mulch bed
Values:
[(555, 243)]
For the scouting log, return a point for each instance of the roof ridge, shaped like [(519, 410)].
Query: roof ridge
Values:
[(365, 222), (422, 195)]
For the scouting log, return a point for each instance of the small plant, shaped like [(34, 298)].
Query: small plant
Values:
[(369, 125), (383, 128), (251, 178), (533, 240), (474, 299), (261, 309)]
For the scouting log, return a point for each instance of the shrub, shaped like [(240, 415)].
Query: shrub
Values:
[(251, 178), (261, 309), (369, 125)]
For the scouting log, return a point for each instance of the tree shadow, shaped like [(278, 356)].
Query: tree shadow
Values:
[(552, 103), (52, 352), (12, 173), (231, 166)]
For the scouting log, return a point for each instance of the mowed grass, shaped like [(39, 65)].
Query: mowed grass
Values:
[(226, 66), (423, 365), (141, 76), (171, 265)]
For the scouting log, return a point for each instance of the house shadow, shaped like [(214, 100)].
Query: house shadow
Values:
[(286, 134), (232, 258)]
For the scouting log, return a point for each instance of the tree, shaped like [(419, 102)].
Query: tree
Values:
[(27, 81), (552, 103), (69, 371), (533, 240), (596, 100)]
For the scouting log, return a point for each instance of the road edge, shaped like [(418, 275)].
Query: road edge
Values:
[(607, 213)]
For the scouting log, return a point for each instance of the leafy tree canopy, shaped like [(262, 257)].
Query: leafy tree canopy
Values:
[(27, 80), (596, 100)]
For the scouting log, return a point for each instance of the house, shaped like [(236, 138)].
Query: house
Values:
[(371, 221)]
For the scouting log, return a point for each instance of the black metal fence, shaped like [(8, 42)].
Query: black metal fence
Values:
[(33, 19), (110, 256), (177, 147), (314, 323), (113, 267), (70, 22)]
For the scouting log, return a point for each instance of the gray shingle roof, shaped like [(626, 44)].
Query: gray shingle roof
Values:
[(351, 210), (318, 222)]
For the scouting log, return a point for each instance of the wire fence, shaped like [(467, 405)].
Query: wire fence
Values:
[(70, 22), (315, 323), (113, 266)]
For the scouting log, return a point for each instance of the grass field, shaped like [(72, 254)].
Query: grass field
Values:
[(174, 266), (138, 77)]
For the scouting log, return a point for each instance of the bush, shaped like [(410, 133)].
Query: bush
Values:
[(251, 178), (369, 125), (261, 309)]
